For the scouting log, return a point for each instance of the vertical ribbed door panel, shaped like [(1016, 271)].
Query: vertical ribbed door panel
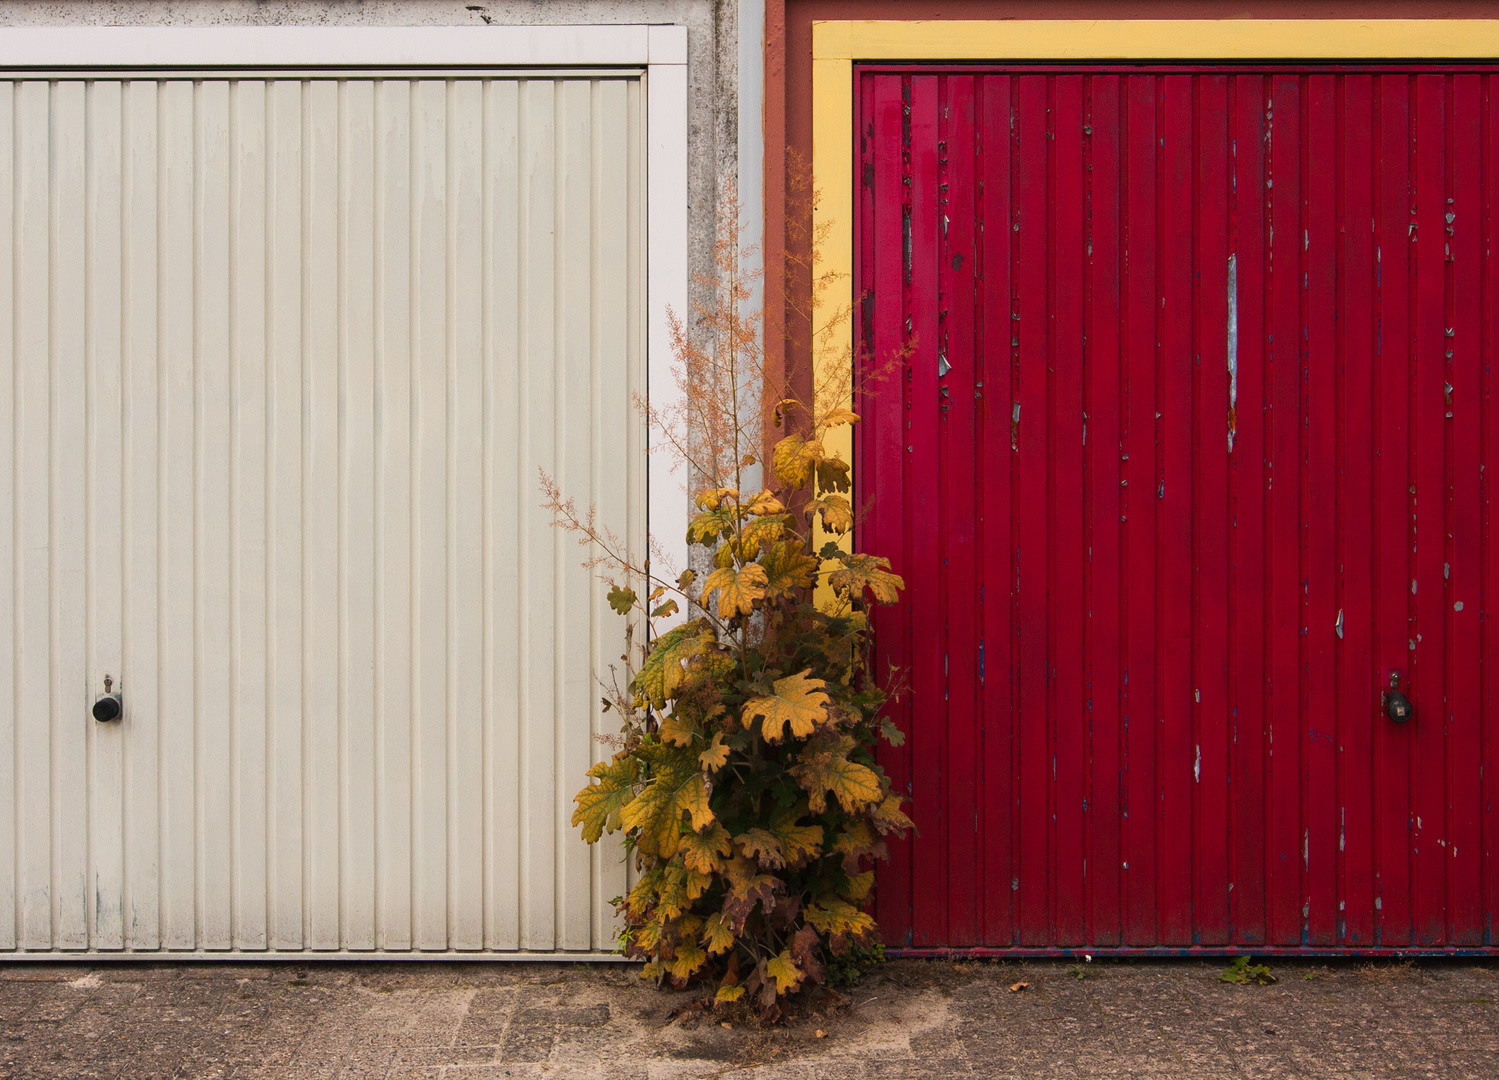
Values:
[(1194, 450), (283, 358)]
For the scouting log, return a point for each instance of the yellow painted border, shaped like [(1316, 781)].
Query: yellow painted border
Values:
[(836, 46)]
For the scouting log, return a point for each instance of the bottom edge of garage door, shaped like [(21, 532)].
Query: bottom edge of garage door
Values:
[(1166, 951), (52, 956)]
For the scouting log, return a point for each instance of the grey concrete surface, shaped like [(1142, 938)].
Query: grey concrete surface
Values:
[(909, 1019)]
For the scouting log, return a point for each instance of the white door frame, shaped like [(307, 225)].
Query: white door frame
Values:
[(660, 50)]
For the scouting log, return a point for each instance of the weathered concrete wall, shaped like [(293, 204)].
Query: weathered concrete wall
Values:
[(712, 54)]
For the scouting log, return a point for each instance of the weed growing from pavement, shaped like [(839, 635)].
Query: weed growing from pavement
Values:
[(1241, 972)]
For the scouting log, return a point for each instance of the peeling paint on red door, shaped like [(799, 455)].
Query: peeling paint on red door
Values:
[(1195, 450)]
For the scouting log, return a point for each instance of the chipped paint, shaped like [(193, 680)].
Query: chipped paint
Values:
[(1233, 349)]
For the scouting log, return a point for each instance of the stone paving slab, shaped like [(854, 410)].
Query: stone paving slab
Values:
[(910, 1019)]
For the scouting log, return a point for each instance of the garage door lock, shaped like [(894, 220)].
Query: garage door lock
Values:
[(108, 706), (1396, 705)]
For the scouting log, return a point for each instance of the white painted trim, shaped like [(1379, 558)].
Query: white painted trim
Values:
[(662, 49), (666, 277), (751, 162), (339, 46), (229, 956)]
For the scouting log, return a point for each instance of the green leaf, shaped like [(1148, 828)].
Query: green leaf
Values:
[(674, 789), (893, 735), (600, 805), (668, 608), (622, 600), (798, 702), (823, 767), (662, 671), (737, 589)]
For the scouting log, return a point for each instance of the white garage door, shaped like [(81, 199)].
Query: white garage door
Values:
[(284, 356)]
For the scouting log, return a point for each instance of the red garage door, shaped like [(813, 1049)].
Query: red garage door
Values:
[(1194, 455)]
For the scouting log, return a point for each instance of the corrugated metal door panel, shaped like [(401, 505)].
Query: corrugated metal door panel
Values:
[(285, 357), (1201, 371)]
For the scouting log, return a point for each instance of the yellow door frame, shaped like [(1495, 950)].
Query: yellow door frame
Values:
[(838, 45)]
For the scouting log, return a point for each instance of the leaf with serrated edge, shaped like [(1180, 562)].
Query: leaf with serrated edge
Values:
[(689, 957), (601, 805), (833, 475), (841, 922), (737, 589), (872, 572), (747, 889), (784, 842), (799, 703), (763, 504), (856, 841), (858, 887), (675, 788), (784, 971), (728, 994), (788, 567), (712, 498), (709, 526), (704, 852), (717, 936), (716, 756), (888, 817), (823, 767), (837, 514), (662, 671), (759, 534), (794, 458), (676, 730)]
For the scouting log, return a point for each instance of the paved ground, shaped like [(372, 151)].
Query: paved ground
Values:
[(910, 1019)]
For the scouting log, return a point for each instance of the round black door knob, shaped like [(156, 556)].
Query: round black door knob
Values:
[(1398, 707), (108, 707)]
